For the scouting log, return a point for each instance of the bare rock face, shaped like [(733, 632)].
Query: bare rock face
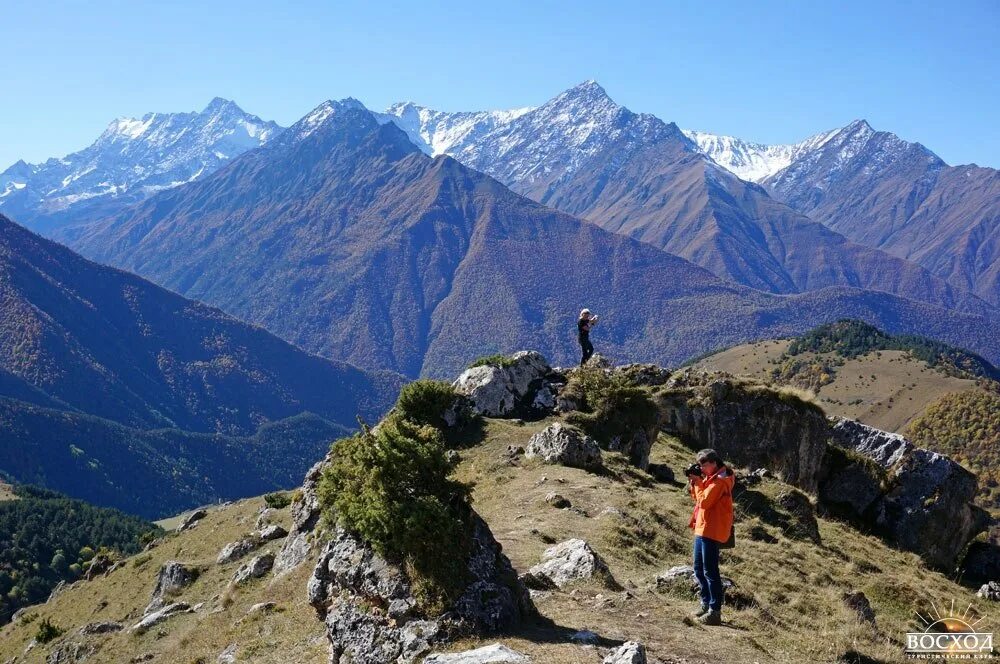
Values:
[(565, 445), (748, 426), (173, 577), (191, 520), (159, 616), (925, 499), (254, 569), (305, 515), (630, 652), (372, 615), (492, 654), (522, 387), (569, 561), (238, 549)]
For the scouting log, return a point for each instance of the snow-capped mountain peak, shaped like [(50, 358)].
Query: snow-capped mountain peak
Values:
[(440, 132), (754, 161), (132, 158)]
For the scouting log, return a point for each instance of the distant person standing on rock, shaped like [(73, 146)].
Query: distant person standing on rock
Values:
[(711, 485), (587, 320)]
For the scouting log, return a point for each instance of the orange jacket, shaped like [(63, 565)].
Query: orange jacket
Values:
[(713, 505)]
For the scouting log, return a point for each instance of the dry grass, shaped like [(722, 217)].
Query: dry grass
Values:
[(886, 389), (789, 591)]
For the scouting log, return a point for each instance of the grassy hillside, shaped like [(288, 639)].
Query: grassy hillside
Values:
[(789, 589)]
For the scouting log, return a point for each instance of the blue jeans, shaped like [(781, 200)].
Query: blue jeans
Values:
[(706, 570)]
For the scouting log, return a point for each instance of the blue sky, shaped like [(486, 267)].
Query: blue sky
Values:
[(767, 71)]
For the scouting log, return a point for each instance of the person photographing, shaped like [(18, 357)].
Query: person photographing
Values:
[(586, 321), (710, 483)]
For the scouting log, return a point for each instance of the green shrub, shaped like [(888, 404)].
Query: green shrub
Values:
[(277, 500), (391, 487), (496, 360), (425, 401), (612, 407), (47, 631)]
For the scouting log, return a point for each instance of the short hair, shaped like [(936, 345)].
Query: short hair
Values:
[(709, 454)]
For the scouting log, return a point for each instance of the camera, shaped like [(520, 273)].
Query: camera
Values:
[(693, 469)]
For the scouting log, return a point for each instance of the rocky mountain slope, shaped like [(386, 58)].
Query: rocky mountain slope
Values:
[(132, 159), (344, 238), (753, 161), (162, 385), (884, 192), (603, 547), (636, 175)]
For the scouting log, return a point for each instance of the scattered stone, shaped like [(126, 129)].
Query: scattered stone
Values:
[(858, 603), (99, 565), (264, 518), (238, 549), (157, 617), (492, 654), (263, 607), (630, 652), (254, 569), (228, 656), (172, 578), (566, 445), (191, 520), (568, 561), (70, 653), (990, 591), (682, 577), (272, 533), (100, 628), (557, 500)]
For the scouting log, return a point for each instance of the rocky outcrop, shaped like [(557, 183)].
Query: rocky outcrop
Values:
[(492, 654), (254, 569), (524, 386), (990, 591), (305, 515), (157, 617), (273, 532), (172, 578), (630, 652), (748, 425), (238, 549), (372, 615), (570, 561), (565, 445), (191, 520), (92, 629), (925, 499)]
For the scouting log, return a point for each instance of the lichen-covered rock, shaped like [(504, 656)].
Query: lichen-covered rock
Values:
[(173, 577), (91, 629), (630, 652), (492, 654), (990, 591), (238, 549), (159, 616), (569, 561), (228, 656), (305, 512), (748, 425), (272, 532), (565, 445), (254, 569), (507, 391), (372, 615), (927, 506), (191, 520), (70, 652)]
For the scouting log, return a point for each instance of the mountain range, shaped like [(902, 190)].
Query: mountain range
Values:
[(133, 159), (344, 238), (117, 391)]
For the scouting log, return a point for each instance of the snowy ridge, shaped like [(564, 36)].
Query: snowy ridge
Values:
[(754, 161), (440, 132), (134, 157)]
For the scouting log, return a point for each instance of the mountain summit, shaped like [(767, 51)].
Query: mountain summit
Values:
[(131, 159)]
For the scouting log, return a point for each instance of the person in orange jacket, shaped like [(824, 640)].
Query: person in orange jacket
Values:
[(712, 519)]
